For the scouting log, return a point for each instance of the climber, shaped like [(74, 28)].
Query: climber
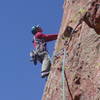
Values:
[(40, 53)]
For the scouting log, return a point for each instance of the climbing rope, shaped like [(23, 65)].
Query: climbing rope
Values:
[(63, 76), (68, 86), (63, 51), (81, 11)]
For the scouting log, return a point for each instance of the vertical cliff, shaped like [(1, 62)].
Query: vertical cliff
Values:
[(80, 36)]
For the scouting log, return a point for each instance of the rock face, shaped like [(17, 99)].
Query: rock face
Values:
[(82, 59), (92, 16)]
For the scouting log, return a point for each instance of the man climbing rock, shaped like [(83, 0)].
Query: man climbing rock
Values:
[(40, 53)]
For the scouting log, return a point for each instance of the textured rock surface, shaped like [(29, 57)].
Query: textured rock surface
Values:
[(82, 64), (92, 17)]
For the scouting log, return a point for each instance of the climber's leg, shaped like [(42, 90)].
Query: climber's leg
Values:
[(46, 64)]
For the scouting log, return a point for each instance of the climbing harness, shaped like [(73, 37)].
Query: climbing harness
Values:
[(40, 44), (40, 51)]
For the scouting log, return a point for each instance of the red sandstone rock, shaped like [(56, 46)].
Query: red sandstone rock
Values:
[(92, 17), (82, 64)]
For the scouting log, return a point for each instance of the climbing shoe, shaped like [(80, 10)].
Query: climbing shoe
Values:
[(44, 74)]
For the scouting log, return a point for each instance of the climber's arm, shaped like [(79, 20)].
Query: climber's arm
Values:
[(51, 37), (47, 37)]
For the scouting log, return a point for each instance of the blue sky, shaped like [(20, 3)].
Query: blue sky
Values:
[(20, 79)]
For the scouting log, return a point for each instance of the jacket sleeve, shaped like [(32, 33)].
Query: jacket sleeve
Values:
[(47, 37), (51, 37)]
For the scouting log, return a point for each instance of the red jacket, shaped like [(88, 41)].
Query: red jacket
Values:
[(46, 37)]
